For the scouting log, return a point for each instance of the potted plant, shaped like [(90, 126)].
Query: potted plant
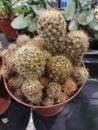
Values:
[(6, 16), (82, 14), (45, 72), (29, 10)]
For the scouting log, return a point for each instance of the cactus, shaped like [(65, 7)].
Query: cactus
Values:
[(47, 55), (9, 57), (44, 81), (62, 97), (16, 82), (30, 61), (22, 39), (38, 42), (53, 89), (32, 90), (51, 26), (76, 44), (69, 87), (59, 68), (80, 75), (47, 101), (48, 66), (18, 93), (5, 71)]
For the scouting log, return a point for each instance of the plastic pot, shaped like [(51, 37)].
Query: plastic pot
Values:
[(43, 110), (10, 33)]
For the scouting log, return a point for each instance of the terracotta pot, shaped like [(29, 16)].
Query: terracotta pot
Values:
[(43, 110), (10, 33)]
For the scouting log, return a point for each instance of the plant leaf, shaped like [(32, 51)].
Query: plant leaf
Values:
[(69, 12), (21, 22), (32, 26), (94, 25), (73, 25), (20, 3), (86, 17)]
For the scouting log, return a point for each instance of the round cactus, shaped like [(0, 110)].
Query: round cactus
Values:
[(53, 89), (59, 68), (76, 44), (9, 56), (80, 75), (32, 90), (30, 61), (69, 86), (22, 39)]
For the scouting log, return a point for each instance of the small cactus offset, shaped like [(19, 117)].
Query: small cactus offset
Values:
[(22, 39), (48, 66), (32, 90), (76, 43), (59, 68), (80, 75), (53, 89), (69, 87)]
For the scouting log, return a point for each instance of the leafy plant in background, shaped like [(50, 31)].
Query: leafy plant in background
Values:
[(7, 11), (29, 9), (81, 14)]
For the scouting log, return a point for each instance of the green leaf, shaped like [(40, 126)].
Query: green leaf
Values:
[(35, 9), (32, 26), (69, 12), (20, 3), (86, 17), (94, 25), (73, 25), (21, 22)]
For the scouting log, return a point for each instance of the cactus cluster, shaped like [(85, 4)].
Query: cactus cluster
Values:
[(48, 67)]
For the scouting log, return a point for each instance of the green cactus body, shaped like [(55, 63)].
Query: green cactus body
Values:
[(80, 75), (51, 26), (76, 44), (22, 39), (69, 87), (32, 90), (30, 61), (59, 68), (53, 89)]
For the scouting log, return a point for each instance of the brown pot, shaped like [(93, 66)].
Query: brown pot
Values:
[(43, 110), (4, 98), (10, 33)]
